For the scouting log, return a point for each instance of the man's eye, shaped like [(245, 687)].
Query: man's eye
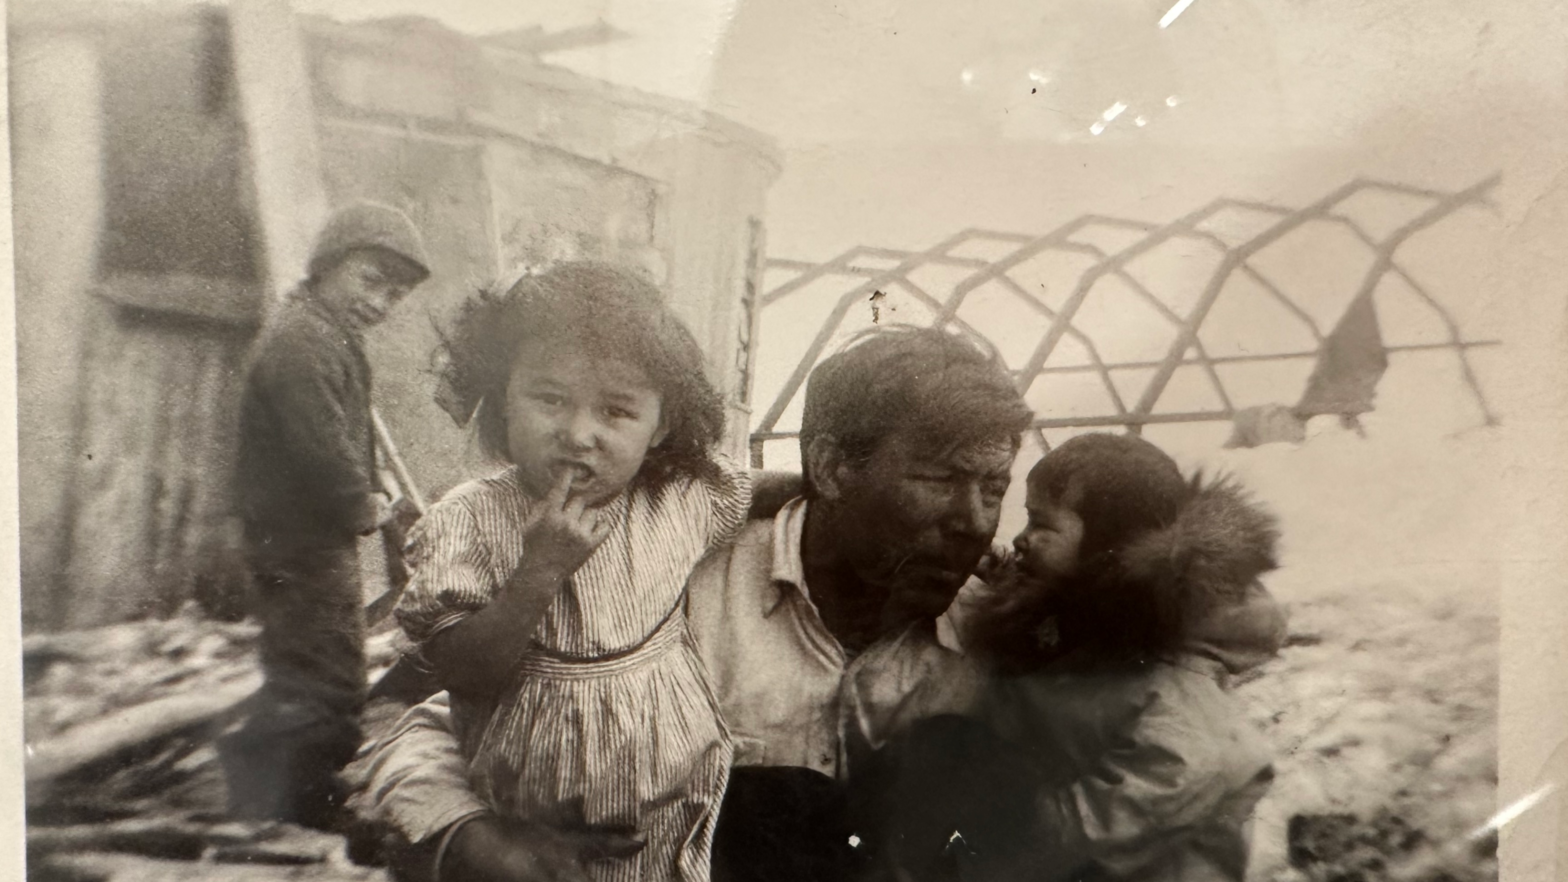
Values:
[(549, 398), (619, 413)]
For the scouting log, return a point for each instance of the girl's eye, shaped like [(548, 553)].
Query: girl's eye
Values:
[(619, 413), (549, 398)]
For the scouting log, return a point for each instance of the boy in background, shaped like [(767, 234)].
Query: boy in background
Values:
[(307, 490)]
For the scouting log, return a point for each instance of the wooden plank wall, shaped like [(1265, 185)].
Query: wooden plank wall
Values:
[(152, 525), (146, 522)]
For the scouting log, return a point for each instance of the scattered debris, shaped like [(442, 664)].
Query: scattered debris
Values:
[(1381, 707), (123, 777)]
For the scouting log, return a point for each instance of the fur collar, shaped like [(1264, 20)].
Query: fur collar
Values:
[(1217, 547)]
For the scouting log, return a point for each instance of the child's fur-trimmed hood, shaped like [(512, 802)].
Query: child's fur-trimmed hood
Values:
[(1191, 588), (1220, 543), (1207, 565)]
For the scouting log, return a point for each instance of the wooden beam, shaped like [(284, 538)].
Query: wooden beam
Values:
[(535, 41), (132, 868), (275, 92), (128, 727), (214, 299)]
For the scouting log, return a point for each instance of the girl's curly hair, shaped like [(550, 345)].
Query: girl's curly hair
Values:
[(610, 312)]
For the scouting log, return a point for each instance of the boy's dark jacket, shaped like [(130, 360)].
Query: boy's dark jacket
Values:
[(1087, 769), (306, 466)]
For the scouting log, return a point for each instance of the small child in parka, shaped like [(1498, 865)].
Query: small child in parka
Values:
[(1105, 745)]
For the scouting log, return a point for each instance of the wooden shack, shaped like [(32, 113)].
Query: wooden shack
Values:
[(146, 255)]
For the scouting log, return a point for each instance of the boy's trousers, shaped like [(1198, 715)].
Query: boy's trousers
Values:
[(302, 726)]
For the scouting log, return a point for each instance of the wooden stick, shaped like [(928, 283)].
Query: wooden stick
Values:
[(132, 868), (378, 609), (171, 838), (127, 727), (399, 469), (274, 86)]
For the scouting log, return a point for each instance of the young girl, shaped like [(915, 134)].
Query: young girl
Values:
[(548, 598), (1105, 746)]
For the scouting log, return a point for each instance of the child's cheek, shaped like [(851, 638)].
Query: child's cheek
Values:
[(1044, 559), (1035, 564)]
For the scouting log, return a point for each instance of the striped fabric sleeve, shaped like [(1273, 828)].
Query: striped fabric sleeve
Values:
[(449, 572), (729, 499)]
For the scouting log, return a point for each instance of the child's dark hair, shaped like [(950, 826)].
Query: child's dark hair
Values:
[(1158, 550), (1119, 485), (611, 312)]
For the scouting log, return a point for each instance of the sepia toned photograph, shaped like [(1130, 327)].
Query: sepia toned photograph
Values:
[(791, 440)]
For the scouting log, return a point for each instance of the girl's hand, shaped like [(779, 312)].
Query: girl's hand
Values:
[(489, 849), (478, 656), (561, 532)]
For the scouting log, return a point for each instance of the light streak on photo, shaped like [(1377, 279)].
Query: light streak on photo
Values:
[(1174, 12)]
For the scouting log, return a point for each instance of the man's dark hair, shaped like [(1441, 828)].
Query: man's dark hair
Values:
[(951, 391), (612, 313)]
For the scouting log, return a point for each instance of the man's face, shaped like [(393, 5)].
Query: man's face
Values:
[(916, 521), (364, 286)]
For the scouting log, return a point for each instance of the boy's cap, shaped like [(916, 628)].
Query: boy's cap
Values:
[(370, 225)]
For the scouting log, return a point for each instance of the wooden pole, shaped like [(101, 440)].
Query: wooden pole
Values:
[(391, 533), (280, 126), (405, 479)]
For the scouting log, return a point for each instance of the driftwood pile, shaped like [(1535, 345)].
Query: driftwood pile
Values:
[(123, 777)]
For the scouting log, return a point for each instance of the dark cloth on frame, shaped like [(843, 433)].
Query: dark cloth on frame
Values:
[(1349, 367)]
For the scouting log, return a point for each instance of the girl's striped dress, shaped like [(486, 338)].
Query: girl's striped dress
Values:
[(611, 719)]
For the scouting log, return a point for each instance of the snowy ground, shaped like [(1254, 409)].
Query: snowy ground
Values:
[(1383, 708)]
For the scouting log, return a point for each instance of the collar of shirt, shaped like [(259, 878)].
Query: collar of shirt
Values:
[(789, 577), (778, 674), (324, 311), (789, 570)]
